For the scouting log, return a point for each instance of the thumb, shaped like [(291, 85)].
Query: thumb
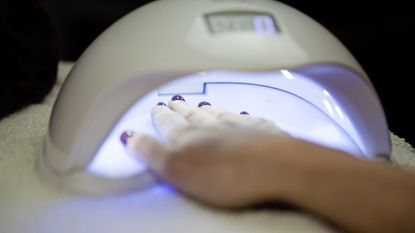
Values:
[(148, 150)]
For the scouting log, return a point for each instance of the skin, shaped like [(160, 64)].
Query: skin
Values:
[(239, 166)]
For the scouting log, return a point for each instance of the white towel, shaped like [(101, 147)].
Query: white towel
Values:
[(28, 204)]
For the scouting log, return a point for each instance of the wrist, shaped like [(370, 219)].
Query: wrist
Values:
[(294, 172)]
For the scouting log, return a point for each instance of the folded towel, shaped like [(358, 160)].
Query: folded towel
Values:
[(27, 204)]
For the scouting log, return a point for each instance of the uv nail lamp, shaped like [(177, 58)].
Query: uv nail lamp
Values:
[(259, 56)]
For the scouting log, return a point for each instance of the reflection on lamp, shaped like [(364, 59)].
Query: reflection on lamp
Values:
[(339, 112), (328, 106), (287, 74)]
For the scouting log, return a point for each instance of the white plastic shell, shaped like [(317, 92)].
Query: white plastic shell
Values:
[(168, 39)]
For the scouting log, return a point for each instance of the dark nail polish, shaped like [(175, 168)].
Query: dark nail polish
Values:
[(244, 113), (178, 97), (161, 104), (124, 137), (203, 103)]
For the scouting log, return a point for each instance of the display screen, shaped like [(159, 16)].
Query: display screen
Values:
[(228, 22)]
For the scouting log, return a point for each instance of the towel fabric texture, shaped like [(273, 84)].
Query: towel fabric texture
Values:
[(29, 204)]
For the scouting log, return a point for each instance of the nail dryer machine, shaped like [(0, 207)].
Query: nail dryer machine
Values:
[(259, 56)]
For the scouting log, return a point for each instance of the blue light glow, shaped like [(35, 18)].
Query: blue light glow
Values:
[(296, 104)]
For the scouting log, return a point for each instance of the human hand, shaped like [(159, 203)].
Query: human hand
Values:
[(218, 157), (229, 160)]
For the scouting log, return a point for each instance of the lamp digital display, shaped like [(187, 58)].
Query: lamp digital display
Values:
[(228, 22)]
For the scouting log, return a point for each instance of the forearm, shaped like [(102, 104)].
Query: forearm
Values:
[(358, 196)]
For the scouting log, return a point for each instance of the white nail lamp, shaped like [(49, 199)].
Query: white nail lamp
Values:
[(259, 56)]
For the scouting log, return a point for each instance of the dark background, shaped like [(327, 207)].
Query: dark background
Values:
[(379, 35)]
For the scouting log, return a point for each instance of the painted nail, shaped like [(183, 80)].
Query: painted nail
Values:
[(124, 137), (244, 113), (203, 103), (178, 97), (161, 104)]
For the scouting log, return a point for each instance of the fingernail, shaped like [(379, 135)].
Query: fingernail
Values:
[(125, 136), (244, 113), (161, 104), (178, 97), (203, 103)]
